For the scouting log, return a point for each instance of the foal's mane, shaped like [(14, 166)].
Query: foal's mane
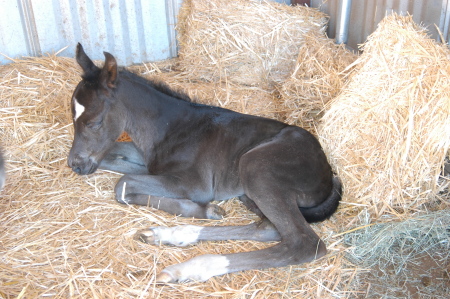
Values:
[(156, 84)]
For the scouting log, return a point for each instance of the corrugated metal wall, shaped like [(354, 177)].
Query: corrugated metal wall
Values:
[(365, 15), (143, 30), (134, 30)]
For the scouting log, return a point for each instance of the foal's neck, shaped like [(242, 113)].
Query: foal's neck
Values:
[(150, 113)]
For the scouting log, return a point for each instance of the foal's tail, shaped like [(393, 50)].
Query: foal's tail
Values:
[(327, 208)]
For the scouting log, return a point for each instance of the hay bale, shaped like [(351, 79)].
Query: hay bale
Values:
[(243, 99), (321, 70), (388, 132), (243, 41)]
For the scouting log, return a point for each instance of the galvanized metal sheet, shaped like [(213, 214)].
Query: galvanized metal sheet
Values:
[(12, 39), (144, 30), (135, 30), (366, 14)]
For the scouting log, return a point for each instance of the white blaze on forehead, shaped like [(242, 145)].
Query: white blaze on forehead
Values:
[(79, 109)]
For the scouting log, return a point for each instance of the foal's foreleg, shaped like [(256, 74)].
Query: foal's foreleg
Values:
[(161, 193), (180, 207)]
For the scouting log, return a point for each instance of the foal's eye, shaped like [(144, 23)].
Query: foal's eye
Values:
[(94, 125)]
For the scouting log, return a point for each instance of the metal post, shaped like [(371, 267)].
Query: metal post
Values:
[(29, 27), (172, 8), (343, 21), (445, 22)]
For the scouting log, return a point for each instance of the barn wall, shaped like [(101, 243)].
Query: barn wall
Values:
[(143, 30), (135, 31), (365, 15)]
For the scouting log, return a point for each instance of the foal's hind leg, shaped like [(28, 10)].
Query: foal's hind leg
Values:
[(299, 244), (184, 235), (203, 267), (271, 174)]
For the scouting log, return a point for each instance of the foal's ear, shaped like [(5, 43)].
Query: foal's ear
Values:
[(109, 73), (89, 68)]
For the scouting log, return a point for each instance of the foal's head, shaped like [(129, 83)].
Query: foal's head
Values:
[(98, 117)]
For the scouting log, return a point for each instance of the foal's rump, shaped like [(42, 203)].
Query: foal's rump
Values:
[(319, 191), (293, 163)]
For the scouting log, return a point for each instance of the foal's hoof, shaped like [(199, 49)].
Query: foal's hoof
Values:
[(214, 212), (164, 277), (146, 236)]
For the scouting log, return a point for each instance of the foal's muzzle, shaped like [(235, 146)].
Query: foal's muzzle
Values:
[(81, 165)]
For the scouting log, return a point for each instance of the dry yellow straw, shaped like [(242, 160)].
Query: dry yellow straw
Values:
[(388, 132), (321, 70)]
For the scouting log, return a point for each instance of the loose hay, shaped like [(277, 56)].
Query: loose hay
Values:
[(388, 132), (243, 41), (64, 236), (321, 70), (401, 253), (394, 243)]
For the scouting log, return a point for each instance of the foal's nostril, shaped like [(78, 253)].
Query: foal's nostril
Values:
[(77, 170)]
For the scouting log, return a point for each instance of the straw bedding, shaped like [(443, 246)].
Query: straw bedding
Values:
[(388, 132), (65, 236)]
